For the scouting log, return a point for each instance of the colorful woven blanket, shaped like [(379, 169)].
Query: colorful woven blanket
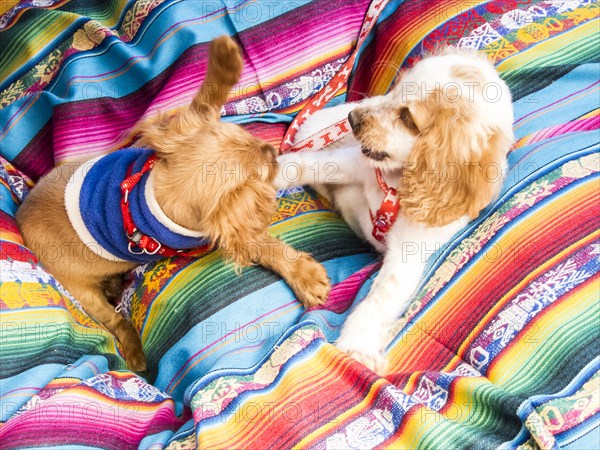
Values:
[(501, 345)]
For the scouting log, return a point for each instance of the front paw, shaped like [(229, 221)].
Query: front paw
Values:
[(135, 358), (311, 283), (372, 360), (287, 173)]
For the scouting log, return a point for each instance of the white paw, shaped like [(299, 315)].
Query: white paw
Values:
[(279, 182), (372, 360), (283, 179)]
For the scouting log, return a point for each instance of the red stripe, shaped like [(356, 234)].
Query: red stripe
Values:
[(544, 242)]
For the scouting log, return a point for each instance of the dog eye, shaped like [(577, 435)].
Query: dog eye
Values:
[(406, 118)]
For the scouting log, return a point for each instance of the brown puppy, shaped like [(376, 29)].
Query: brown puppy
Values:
[(211, 177)]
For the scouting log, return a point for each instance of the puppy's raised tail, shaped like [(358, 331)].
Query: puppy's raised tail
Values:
[(224, 69)]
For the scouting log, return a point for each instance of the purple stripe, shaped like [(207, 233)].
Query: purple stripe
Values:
[(557, 101)]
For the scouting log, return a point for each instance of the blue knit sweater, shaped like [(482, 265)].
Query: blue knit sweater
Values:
[(92, 199)]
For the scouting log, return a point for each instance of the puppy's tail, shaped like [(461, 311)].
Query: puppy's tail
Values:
[(224, 69)]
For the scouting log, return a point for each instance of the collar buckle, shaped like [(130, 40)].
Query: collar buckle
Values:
[(135, 237), (139, 243), (130, 248)]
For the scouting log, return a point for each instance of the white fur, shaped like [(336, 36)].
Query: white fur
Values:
[(354, 189)]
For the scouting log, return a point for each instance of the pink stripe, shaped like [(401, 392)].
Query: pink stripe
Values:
[(154, 48), (591, 123), (288, 55), (96, 414), (185, 81), (328, 32), (27, 388), (340, 298), (267, 61), (178, 91), (343, 294)]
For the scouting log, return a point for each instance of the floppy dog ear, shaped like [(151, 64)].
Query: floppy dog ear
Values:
[(241, 217), (168, 133), (457, 164)]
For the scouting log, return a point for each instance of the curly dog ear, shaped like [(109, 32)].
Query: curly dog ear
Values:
[(241, 221), (456, 166)]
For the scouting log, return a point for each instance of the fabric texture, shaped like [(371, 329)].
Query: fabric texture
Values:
[(500, 346), (93, 200)]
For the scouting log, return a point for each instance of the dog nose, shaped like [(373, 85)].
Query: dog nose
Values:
[(354, 120)]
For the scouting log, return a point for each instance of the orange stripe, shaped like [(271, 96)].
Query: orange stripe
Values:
[(400, 45), (402, 354), (296, 390)]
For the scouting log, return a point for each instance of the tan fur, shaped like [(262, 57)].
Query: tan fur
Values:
[(455, 167), (213, 177)]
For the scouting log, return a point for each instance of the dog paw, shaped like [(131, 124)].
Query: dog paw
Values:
[(283, 179), (280, 182), (225, 59), (374, 361), (311, 283), (135, 359)]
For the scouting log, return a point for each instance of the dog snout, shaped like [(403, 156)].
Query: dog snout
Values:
[(355, 121)]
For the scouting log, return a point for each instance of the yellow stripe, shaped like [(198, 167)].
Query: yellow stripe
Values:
[(419, 423), (47, 323), (521, 232), (424, 420), (306, 220), (160, 304), (55, 23), (481, 269), (527, 280), (7, 5), (9, 236), (255, 413), (553, 44), (594, 113), (158, 44), (365, 403), (543, 329), (197, 270), (399, 47)]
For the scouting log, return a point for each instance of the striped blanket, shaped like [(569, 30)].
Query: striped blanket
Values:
[(501, 344)]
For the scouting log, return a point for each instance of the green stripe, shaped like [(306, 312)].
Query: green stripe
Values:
[(25, 32), (563, 55)]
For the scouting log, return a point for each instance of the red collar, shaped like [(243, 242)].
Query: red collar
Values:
[(387, 213), (139, 242)]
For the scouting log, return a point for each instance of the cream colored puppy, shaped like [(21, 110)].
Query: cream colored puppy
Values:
[(440, 137)]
